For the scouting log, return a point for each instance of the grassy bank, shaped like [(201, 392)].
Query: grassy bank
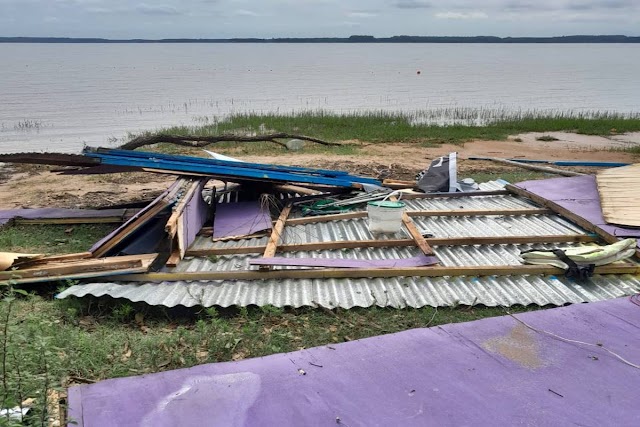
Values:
[(441, 126)]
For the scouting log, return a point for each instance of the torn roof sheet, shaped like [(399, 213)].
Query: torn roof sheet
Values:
[(395, 291), (470, 373)]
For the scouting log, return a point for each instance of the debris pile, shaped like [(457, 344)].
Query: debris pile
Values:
[(225, 221)]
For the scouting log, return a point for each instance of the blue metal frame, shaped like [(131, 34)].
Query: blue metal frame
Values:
[(229, 170), (204, 160)]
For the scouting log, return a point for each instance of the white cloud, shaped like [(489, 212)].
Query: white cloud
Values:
[(245, 12), (361, 14), (461, 15)]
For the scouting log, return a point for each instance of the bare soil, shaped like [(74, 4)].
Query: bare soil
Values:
[(38, 186)]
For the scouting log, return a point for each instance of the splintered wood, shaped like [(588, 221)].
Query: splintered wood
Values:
[(619, 190)]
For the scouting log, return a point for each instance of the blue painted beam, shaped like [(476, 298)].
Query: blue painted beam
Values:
[(208, 161), (229, 172)]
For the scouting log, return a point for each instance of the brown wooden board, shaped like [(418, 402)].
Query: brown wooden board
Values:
[(433, 241), (84, 268), (622, 268)]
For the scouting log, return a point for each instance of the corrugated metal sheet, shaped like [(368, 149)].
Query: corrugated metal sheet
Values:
[(393, 292)]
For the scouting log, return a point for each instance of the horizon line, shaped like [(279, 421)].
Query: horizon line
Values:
[(575, 38)]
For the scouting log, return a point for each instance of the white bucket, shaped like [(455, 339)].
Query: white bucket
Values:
[(385, 217)]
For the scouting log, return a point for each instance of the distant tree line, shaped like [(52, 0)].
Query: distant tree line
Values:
[(352, 39)]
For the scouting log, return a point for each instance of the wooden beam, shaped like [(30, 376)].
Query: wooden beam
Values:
[(276, 234), (433, 241), (339, 273), (81, 268), (414, 232), (480, 212), (422, 213), (288, 188), (417, 236), (564, 212), (172, 223), (326, 218), (53, 259), (455, 195)]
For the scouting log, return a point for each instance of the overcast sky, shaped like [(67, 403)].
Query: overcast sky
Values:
[(300, 18)]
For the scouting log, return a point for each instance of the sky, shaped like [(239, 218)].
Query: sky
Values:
[(315, 18)]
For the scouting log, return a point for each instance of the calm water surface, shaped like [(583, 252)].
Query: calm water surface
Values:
[(57, 97)]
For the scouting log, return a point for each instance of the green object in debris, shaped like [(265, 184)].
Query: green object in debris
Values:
[(387, 204)]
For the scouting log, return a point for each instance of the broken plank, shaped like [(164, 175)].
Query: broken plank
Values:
[(433, 241), (339, 273), (288, 188), (81, 269), (276, 233), (417, 236)]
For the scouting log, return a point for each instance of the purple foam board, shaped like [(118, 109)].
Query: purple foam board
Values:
[(240, 219), (578, 194), (483, 373), (195, 215), (418, 261)]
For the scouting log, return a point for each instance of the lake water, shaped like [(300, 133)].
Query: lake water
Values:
[(57, 97)]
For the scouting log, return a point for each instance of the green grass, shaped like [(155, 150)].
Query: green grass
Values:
[(462, 125), (51, 239)]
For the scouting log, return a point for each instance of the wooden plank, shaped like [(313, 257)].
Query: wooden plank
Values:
[(289, 188), (530, 167), (433, 241), (174, 259), (480, 212), (276, 233), (414, 232), (340, 273), (422, 213), (619, 190), (326, 218), (417, 236), (172, 223), (77, 268), (53, 259), (457, 195), (564, 212), (135, 223)]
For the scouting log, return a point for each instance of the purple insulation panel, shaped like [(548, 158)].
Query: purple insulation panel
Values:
[(195, 215), (418, 261), (579, 195), (240, 219), (489, 372)]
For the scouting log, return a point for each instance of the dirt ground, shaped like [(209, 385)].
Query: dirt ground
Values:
[(37, 186)]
